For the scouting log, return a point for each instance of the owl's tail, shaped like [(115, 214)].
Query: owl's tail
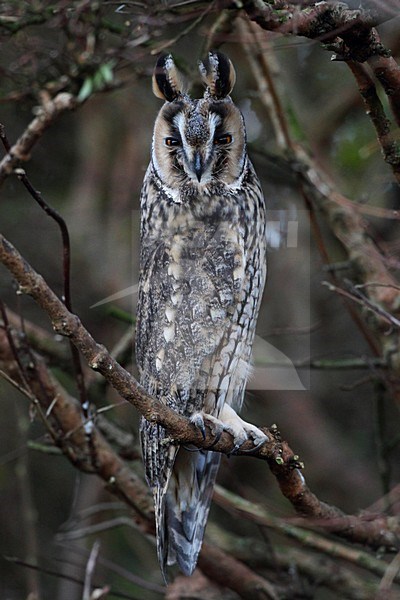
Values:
[(182, 481), (182, 512)]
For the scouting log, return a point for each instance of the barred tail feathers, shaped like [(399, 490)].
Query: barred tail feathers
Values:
[(187, 505), (182, 481)]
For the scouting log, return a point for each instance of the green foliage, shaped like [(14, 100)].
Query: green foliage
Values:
[(100, 80), (353, 144)]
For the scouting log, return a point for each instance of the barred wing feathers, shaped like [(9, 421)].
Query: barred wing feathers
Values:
[(189, 293)]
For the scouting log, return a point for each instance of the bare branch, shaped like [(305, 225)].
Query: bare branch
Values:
[(66, 263), (90, 567), (283, 463), (375, 111), (55, 350), (229, 572), (337, 577), (387, 71), (354, 39), (348, 527), (346, 223), (69, 325), (46, 116), (322, 21)]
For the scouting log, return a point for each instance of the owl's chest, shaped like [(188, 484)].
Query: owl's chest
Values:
[(197, 223)]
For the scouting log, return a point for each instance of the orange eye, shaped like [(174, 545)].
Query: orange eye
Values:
[(223, 139), (170, 141)]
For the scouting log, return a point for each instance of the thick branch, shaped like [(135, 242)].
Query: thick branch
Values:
[(282, 462), (352, 35), (323, 21), (55, 350), (349, 527), (387, 71), (98, 358), (66, 423), (228, 571), (65, 417)]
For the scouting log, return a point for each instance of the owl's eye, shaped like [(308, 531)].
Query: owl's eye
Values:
[(171, 141), (222, 140)]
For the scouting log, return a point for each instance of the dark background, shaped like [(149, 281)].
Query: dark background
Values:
[(90, 166)]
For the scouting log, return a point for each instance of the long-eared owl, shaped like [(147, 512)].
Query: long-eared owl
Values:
[(202, 274)]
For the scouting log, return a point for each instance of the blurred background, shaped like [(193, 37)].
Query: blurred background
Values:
[(89, 166)]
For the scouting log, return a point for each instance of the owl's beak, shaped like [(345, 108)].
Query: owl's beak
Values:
[(197, 165)]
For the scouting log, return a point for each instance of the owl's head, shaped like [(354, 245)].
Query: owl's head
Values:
[(198, 143)]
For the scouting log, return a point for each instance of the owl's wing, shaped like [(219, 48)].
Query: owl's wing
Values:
[(188, 297), (189, 292)]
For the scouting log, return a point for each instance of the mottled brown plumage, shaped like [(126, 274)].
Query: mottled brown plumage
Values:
[(202, 274)]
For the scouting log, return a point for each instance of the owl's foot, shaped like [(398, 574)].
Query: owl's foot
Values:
[(198, 421), (241, 430), (217, 427), (228, 420)]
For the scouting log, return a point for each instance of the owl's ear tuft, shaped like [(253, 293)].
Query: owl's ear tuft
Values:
[(168, 82), (218, 74)]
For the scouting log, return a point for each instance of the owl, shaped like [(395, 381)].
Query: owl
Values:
[(202, 274)]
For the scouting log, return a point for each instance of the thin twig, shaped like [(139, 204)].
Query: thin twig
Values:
[(83, 532), (184, 32), (22, 385), (90, 567), (330, 573), (310, 539), (51, 212), (116, 568), (392, 572), (354, 294), (46, 116), (61, 575)]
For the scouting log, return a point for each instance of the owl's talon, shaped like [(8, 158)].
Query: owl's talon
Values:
[(216, 439), (198, 421), (257, 446), (229, 421), (234, 450), (241, 431)]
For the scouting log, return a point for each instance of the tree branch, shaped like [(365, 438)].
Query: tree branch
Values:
[(67, 324), (331, 574), (323, 21), (67, 424), (46, 115), (355, 529), (344, 219), (284, 464), (353, 38), (376, 113), (228, 571)]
